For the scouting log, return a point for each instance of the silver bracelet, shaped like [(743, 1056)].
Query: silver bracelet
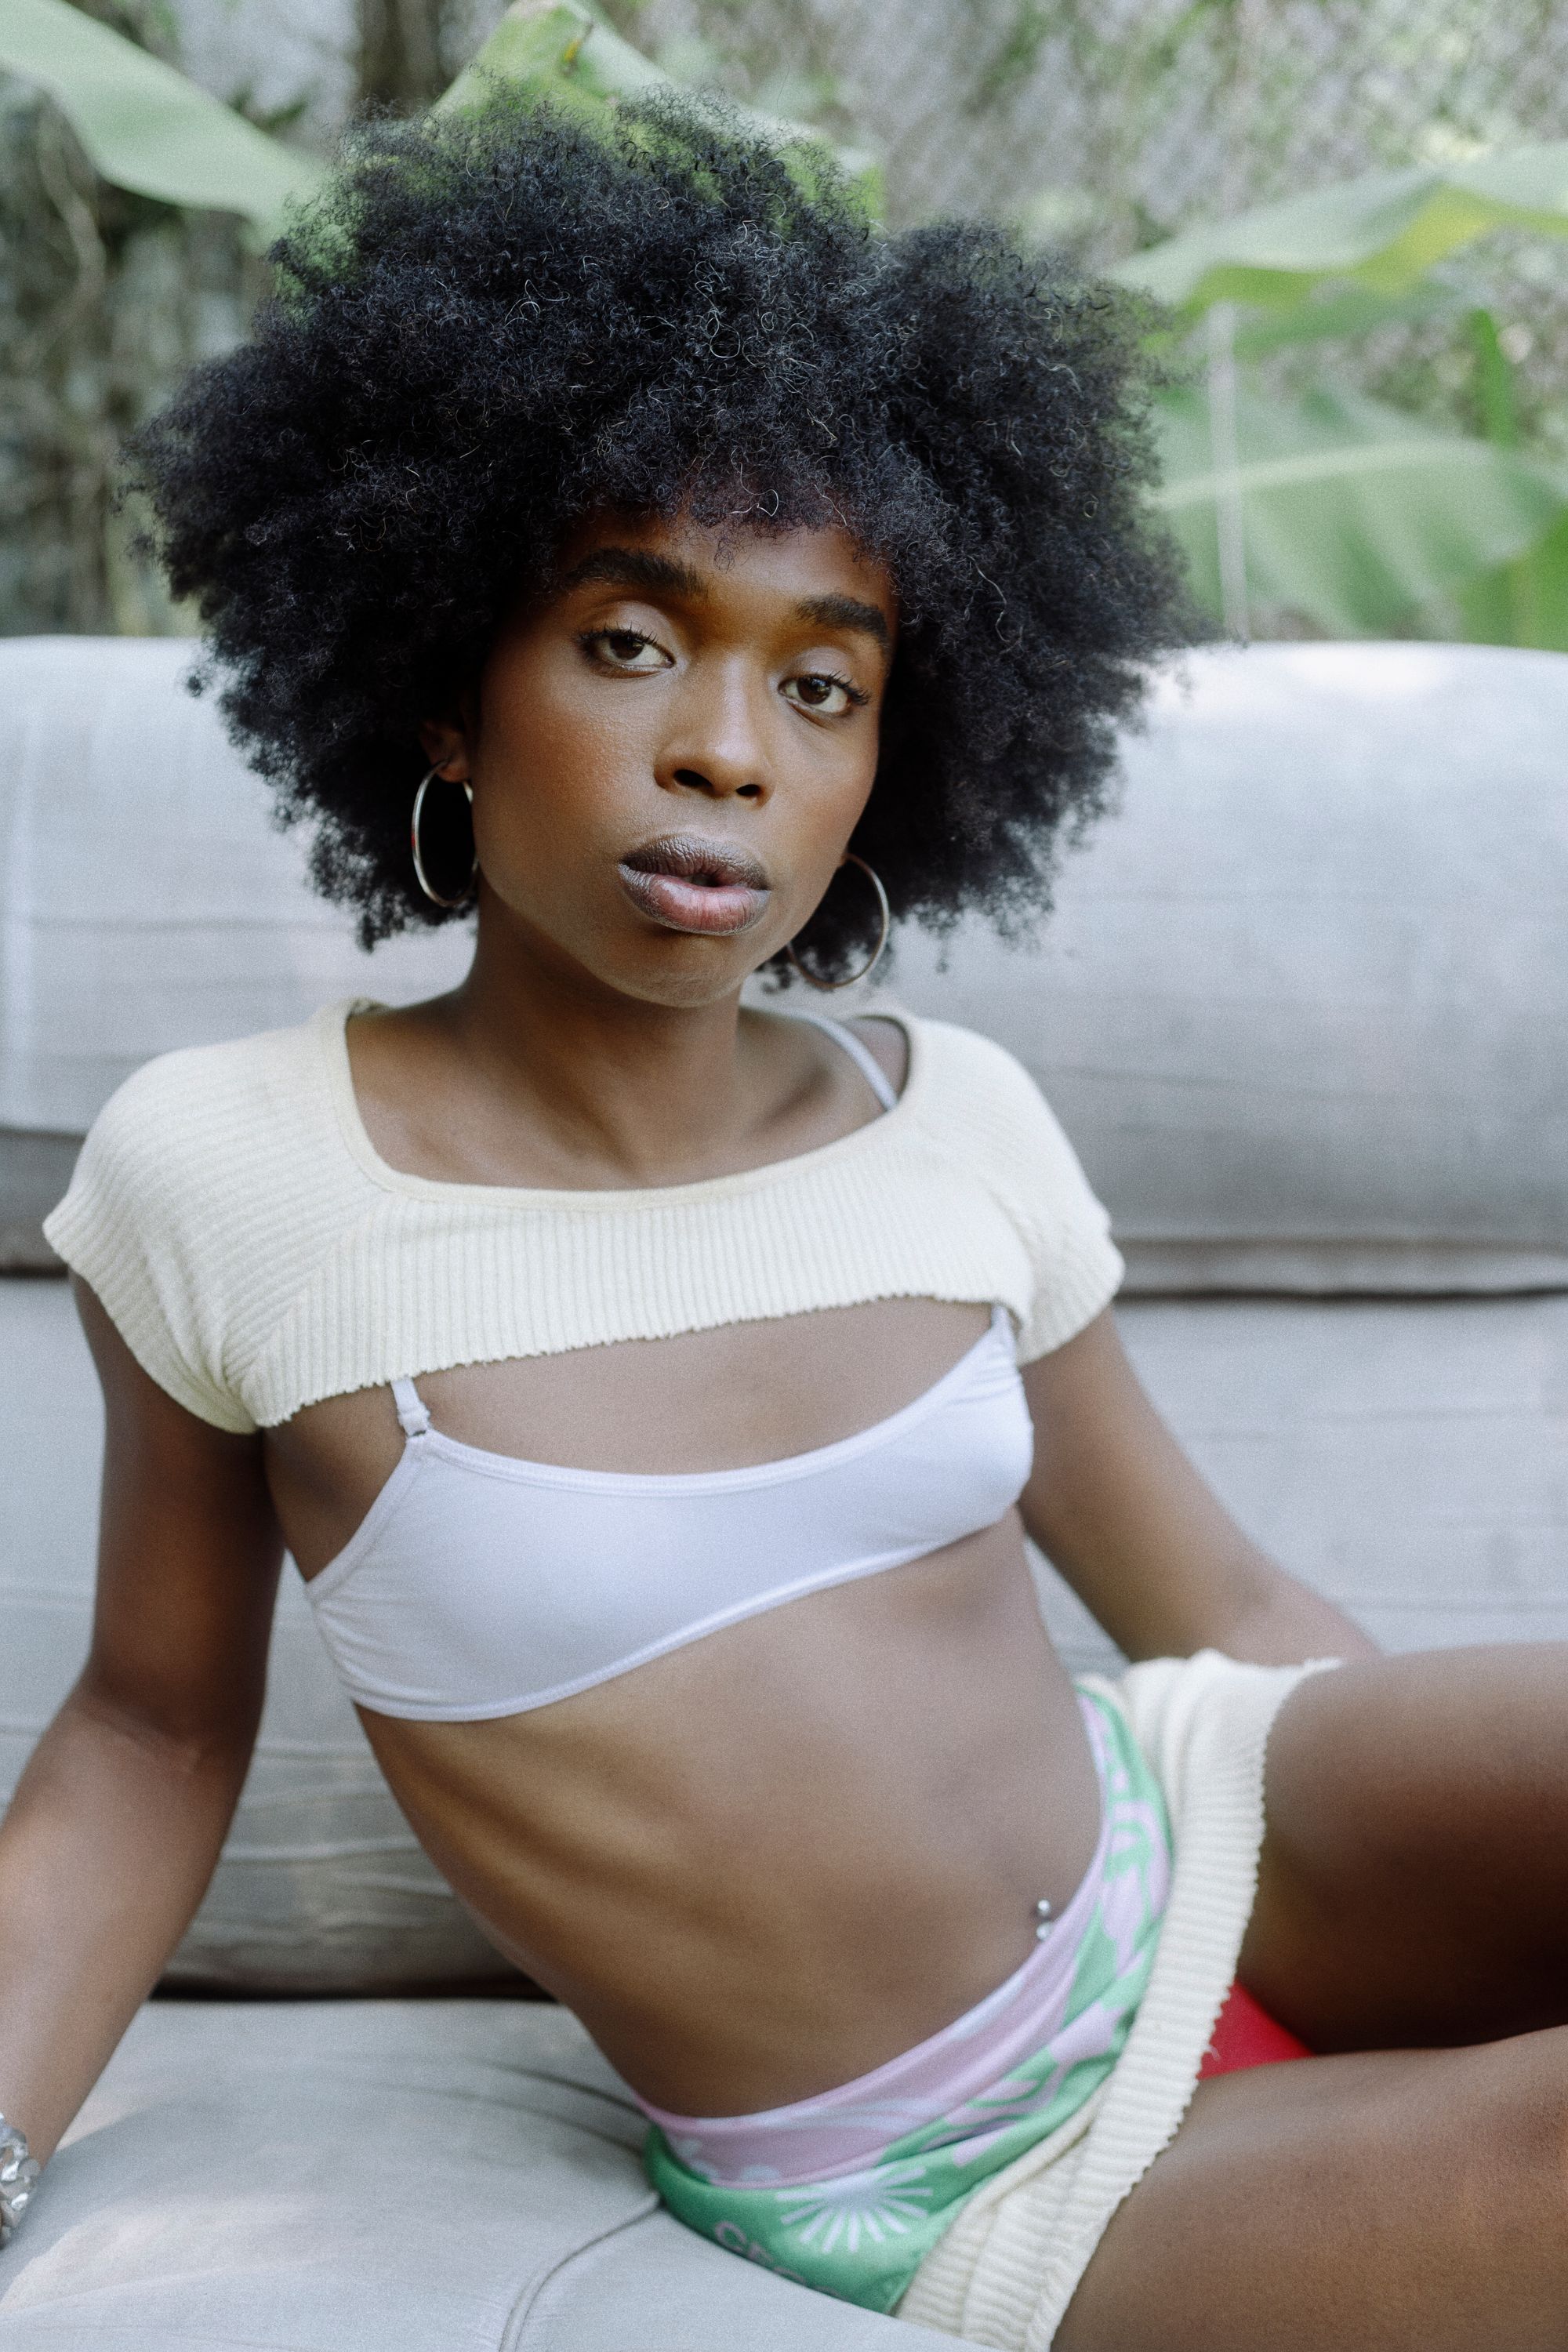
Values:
[(18, 2178)]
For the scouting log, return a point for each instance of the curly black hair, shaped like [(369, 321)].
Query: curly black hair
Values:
[(494, 325)]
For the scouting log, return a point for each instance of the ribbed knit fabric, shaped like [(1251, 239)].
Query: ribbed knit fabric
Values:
[(255, 1252), (1005, 2272)]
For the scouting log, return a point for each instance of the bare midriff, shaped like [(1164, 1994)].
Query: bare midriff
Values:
[(768, 1862)]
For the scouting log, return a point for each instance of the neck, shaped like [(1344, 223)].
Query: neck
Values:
[(647, 1093)]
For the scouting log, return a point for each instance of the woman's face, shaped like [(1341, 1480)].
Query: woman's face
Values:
[(669, 753)]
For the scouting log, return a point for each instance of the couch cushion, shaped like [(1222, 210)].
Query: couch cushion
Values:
[(34, 1172), (146, 901), (1303, 1004), (1409, 1459), (436, 2175)]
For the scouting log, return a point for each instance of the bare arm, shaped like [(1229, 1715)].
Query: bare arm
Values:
[(1149, 1548), (115, 1826)]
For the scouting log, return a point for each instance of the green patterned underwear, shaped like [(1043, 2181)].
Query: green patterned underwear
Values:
[(849, 2191)]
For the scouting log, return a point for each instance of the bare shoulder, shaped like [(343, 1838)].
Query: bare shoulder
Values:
[(888, 1042)]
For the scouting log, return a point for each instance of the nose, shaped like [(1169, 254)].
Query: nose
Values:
[(718, 745)]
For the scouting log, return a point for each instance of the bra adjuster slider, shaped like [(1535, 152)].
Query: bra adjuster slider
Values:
[(413, 1413)]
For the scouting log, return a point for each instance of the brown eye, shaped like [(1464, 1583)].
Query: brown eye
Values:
[(821, 693), (626, 650)]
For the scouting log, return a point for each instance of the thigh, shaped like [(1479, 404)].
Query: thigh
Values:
[(1413, 1887), (1391, 2201)]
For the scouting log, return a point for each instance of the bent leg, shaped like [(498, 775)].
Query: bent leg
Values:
[(1413, 1887), (1391, 2201)]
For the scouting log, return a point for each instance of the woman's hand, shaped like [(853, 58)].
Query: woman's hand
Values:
[(1145, 1544)]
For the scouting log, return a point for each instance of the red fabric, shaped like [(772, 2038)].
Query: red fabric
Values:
[(1245, 2035)]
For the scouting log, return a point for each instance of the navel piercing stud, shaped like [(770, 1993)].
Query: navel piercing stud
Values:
[(1043, 1914)]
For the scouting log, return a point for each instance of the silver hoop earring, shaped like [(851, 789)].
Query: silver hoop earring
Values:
[(435, 896), (867, 969)]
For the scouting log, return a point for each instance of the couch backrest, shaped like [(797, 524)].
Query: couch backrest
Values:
[(147, 901), (1302, 1003)]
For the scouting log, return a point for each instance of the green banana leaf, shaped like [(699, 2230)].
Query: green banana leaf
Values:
[(1524, 602), (1380, 232), (145, 126), (1353, 513), (1338, 315), (550, 45), (561, 50)]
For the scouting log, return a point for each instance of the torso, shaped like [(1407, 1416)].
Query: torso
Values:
[(771, 1859)]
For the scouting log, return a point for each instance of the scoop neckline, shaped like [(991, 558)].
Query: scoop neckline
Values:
[(331, 1025)]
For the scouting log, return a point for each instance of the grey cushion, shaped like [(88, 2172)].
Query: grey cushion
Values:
[(146, 901), (1303, 1006), (33, 1171), (1407, 1458), (152, 903), (436, 2177)]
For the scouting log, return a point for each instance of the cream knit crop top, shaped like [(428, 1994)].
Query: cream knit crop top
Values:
[(256, 1252)]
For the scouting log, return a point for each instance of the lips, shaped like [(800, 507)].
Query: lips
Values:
[(685, 883)]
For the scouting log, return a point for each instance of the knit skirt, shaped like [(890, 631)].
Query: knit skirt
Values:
[(1005, 2272)]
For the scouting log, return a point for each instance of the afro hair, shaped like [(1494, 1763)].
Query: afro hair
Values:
[(494, 325)]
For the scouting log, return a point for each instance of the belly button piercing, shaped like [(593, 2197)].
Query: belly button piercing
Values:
[(1043, 1915)]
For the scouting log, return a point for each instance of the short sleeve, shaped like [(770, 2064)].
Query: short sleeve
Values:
[(1009, 1138), (135, 1224), (1078, 1267)]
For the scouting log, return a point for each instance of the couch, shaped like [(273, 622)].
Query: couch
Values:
[(1303, 1006)]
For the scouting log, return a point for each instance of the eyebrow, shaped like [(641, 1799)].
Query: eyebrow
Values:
[(636, 567), (846, 613)]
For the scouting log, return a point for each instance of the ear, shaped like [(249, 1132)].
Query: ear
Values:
[(445, 743)]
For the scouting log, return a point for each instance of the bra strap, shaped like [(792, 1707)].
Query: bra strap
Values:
[(865, 1061), (413, 1413)]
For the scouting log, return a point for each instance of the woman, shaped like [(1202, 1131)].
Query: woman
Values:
[(654, 1390)]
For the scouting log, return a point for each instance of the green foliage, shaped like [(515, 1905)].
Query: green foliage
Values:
[(560, 50), (1331, 509), (144, 125), (1301, 503), (1356, 515), (105, 297), (1382, 232), (1524, 602)]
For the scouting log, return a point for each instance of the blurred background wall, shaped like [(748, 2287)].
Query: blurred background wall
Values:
[(1102, 125)]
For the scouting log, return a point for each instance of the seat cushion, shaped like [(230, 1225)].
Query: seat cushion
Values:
[(1409, 1459), (349, 2177)]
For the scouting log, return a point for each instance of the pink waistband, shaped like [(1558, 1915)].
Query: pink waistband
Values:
[(845, 2129)]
